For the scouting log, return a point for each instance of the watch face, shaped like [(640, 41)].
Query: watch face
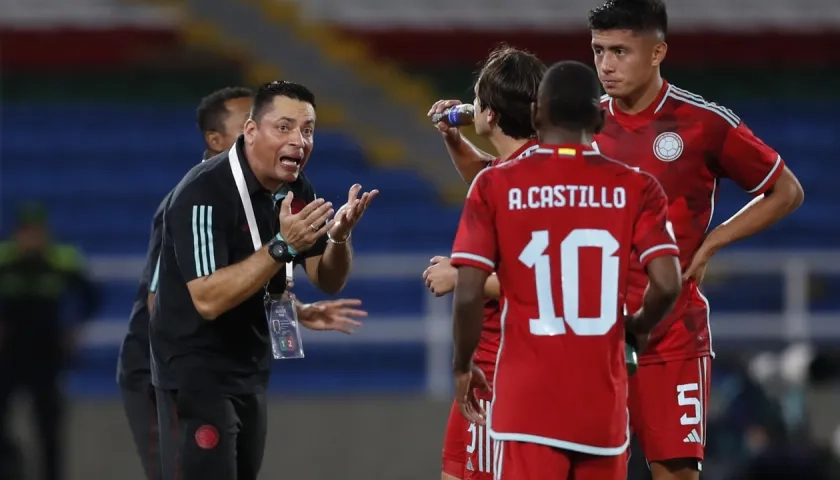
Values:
[(278, 250)]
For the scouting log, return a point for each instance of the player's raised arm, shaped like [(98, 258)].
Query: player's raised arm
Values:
[(760, 171), (654, 243)]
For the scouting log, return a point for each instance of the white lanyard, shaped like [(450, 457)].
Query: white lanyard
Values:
[(239, 178)]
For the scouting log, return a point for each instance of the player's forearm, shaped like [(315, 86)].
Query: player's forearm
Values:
[(334, 267), (492, 288), (228, 287), (664, 288), (468, 159), (467, 315), (784, 197)]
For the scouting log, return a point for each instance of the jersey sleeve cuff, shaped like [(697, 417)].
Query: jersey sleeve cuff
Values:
[(658, 251), (770, 179), (472, 260)]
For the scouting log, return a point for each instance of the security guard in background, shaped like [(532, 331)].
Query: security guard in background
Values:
[(37, 277)]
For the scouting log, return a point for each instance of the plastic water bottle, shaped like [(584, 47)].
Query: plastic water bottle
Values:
[(456, 116)]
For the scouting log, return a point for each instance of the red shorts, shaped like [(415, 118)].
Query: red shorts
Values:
[(467, 448), (667, 403), (532, 461)]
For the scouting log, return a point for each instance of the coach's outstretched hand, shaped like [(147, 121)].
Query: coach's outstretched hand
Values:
[(351, 212), (332, 315), (301, 230), (466, 383)]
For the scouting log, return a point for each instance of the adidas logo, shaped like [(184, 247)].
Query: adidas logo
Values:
[(692, 437), (470, 465)]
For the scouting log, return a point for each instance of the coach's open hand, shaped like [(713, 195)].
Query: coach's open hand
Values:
[(441, 276), (301, 230), (332, 315), (466, 383), (349, 214)]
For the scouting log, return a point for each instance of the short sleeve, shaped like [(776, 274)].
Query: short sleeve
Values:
[(653, 235), (476, 243), (748, 161), (197, 222)]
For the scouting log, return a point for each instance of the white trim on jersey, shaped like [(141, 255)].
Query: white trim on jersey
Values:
[(500, 437), (664, 99), (605, 98), (708, 320), (474, 258), (656, 249), (767, 178), (527, 152), (701, 374), (712, 204), (700, 102), (498, 448)]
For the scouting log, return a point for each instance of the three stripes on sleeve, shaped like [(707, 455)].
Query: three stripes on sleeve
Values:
[(202, 229)]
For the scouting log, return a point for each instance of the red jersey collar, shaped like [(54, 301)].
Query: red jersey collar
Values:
[(570, 150), (645, 115), (519, 151)]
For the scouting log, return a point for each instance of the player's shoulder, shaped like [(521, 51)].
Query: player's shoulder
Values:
[(694, 105), (209, 180), (620, 169)]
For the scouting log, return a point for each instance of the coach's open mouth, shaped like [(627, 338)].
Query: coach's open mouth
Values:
[(290, 161)]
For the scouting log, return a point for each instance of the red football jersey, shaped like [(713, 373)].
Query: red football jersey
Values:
[(491, 334), (689, 145), (559, 227)]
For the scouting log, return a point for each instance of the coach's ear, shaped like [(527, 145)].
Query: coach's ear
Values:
[(250, 131)]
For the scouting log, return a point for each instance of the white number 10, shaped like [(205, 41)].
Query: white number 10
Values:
[(534, 256)]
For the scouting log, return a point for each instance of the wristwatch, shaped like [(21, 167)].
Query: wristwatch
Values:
[(280, 251)]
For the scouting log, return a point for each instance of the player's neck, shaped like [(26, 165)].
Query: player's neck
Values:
[(564, 137), (504, 145), (642, 99)]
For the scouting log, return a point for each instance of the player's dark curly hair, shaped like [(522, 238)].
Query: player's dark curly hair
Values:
[(508, 83), (281, 88), (635, 15), (570, 93), (212, 110)]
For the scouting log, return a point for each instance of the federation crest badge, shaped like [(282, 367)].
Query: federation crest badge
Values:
[(668, 146)]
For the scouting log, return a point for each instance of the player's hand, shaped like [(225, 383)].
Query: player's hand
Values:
[(466, 384), (451, 134), (697, 269), (301, 230), (351, 212), (335, 315), (441, 276)]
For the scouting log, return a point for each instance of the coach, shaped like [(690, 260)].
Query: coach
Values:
[(209, 335)]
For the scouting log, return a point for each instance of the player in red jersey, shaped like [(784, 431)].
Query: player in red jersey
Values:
[(560, 227), (689, 145), (504, 90)]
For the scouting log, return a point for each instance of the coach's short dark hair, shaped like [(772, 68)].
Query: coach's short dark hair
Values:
[(634, 15), (508, 83), (570, 97), (265, 96), (212, 110)]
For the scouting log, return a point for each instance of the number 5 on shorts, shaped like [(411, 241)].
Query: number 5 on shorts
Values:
[(690, 400)]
